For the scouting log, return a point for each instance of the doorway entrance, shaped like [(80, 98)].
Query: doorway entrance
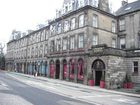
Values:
[(64, 69), (99, 70), (98, 75), (57, 69)]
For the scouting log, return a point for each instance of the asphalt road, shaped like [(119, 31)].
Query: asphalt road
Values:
[(15, 92), (21, 89)]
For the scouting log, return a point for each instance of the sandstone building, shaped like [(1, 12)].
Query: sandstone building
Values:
[(84, 38)]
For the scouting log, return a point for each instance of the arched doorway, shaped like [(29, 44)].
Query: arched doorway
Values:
[(57, 69), (99, 67), (72, 69), (39, 68), (25, 68), (46, 68), (33, 68), (51, 69), (64, 69), (43, 68), (80, 69)]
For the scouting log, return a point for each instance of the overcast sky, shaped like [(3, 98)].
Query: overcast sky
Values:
[(26, 14)]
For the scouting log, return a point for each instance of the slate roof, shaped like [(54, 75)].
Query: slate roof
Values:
[(128, 8)]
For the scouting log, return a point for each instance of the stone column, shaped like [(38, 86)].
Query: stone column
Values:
[(48, 71), (61, 71), (54, 75), (75, 72), (85, 81), (68, 71)]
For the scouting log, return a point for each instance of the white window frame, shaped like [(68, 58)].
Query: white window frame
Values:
[(66, 25), (58, 44), (65, 43), (81, 20), (72, 42), (70, 6), (66, 8), (114, 43), (135, 67), (73, 21), (59, 28), (42, 35), (52, 29), (46, 34), (113, 26), (41, 50), (95, 3), (95, 40), (52, 46), (122, 42), (81, 3), (95, 20), (121, 24), (46, 48), (81, 41)]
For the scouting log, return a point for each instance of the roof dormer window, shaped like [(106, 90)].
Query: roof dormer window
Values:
[(128, 8)]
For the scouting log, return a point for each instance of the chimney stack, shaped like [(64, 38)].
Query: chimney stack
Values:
[(124, 2)]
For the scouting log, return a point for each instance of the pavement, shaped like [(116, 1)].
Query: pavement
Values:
[(134, 92)]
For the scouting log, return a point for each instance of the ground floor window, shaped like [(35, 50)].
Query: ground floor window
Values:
[(135, 67)]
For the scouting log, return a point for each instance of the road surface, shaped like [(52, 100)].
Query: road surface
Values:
[(22, 90), (14, 92)]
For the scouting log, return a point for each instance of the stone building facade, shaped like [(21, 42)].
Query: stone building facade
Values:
[(84, 38)]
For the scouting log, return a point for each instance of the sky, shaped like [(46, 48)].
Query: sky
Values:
[(27, 14)]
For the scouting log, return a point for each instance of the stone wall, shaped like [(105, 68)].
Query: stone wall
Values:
[(116, 72), (130, 68)]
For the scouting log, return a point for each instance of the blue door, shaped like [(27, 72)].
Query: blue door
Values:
[(43, 69)]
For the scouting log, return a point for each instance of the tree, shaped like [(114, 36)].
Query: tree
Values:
[(2, 58), (2, 62)]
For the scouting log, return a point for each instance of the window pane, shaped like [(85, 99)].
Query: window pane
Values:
[(66, 26), (59, 28), (72, 39), (46, 48), (52, 46), (135, 63), (58, 45), (81, 41), (73, 23), (81, 21), (121, 24), (95, 3), (122, 43), (135, 69), (95, 21), (64, 44), (114, 43), (113, 27), (95, 39), (80, 3)]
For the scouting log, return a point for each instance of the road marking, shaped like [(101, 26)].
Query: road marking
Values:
[(3, 84), (98, 96), (128, 101)]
